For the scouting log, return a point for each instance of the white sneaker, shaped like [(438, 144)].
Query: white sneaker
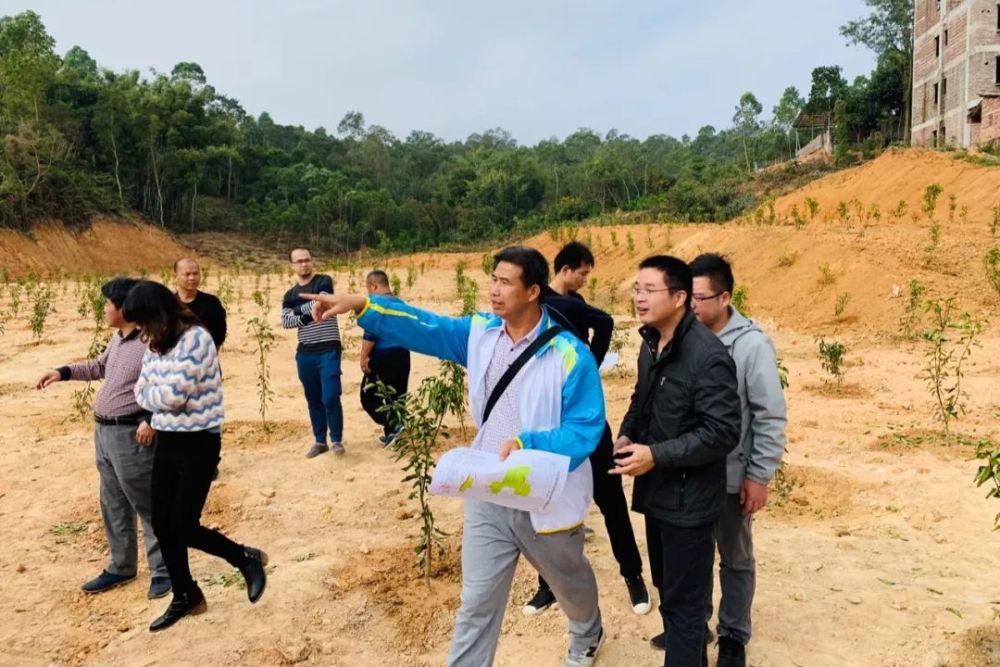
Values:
[(589, 657)]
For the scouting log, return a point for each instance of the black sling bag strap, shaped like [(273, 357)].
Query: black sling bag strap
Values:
[(512, 371)]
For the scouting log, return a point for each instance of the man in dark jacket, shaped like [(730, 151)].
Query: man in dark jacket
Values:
[(682, 422), (593, 326), (205, 306)]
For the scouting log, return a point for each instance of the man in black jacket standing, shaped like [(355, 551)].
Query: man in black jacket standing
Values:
[(593, 326), (205, 306), (682, 422)]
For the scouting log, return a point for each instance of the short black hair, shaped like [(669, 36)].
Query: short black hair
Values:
[(298, 248), (716, 268), (534, 268), (676, 273), (574, 255), (378, 276), (116, 289)]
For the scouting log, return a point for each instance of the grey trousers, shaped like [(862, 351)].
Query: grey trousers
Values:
[(737, 569), (126, 469), (494, 538)]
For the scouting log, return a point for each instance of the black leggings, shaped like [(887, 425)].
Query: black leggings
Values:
[(610, 499), (183, 467), (393, 368)]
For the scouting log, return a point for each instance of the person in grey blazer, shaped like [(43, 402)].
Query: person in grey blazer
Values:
[(755, 460)]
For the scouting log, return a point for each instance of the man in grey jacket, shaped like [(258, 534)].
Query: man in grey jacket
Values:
[(754, 461)]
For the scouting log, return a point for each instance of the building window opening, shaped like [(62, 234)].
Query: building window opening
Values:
[(937, 47), (935, 93)]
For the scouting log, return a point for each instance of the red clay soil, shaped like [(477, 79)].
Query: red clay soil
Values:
[(109, 245)]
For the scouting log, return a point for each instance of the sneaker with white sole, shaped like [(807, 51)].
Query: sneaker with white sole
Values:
[(588, 657), (543, 599), (638, 595)]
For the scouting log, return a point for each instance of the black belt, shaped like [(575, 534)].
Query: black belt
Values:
[(124, 420)]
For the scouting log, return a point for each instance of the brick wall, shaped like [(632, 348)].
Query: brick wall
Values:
[(990, 128), (964, 68)]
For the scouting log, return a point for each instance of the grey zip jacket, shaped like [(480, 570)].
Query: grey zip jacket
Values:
[(762, 402)]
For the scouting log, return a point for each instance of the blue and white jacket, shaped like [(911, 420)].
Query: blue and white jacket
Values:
[(183, 388), (561, 405)]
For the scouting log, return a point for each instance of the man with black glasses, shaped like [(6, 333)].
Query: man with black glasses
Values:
[(682, 422), (318, 354)]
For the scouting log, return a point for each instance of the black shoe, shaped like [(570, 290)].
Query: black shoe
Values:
[(183, 604), (659, 642), (731, 653), (253, 572), (543, 599), (638, 595)]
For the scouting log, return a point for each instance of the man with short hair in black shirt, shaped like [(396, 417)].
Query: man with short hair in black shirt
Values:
[(206, 307), (573, 265)]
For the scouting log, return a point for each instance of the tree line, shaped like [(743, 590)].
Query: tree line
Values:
[(79, 139)]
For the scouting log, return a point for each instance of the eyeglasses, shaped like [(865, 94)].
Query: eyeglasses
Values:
[(301, 261), (642, 291), (703, 299)]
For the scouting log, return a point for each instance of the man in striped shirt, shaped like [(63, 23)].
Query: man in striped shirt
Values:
[(318, 354), (124, 445)]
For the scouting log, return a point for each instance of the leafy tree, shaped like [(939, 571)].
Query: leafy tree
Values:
[(28, 65), (80, 63), (888, 31), (786, 111), (747, 121), (828, 86)]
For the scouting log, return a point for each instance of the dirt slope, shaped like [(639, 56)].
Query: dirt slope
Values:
[(903, 175), (109, 245)]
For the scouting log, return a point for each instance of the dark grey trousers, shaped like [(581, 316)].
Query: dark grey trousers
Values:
[(126, 469), (737, 569)]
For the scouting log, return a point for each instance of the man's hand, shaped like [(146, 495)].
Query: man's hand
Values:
[(144, 434), (622, 441), (753, 496), (365, 367), (507, 447), (47, 378), (638, 462), (326, 306)]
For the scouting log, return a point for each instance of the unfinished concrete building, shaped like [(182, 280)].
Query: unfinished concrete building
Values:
[(956, 72)]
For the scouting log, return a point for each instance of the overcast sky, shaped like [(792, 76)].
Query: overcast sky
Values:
[(537, 68)]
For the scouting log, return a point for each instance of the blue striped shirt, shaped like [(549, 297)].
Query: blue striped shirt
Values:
[(183, 388)]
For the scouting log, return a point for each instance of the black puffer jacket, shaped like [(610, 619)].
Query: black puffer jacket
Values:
[(686, 408)]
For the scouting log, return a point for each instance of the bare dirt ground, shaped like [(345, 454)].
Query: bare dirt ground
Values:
[(882, 554)]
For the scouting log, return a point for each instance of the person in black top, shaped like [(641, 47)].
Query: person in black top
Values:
[(683, 420), (382, 361), (206, 307), (318, 354), (573, 265)]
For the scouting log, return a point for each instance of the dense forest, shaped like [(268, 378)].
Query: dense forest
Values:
[(80, 139)]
